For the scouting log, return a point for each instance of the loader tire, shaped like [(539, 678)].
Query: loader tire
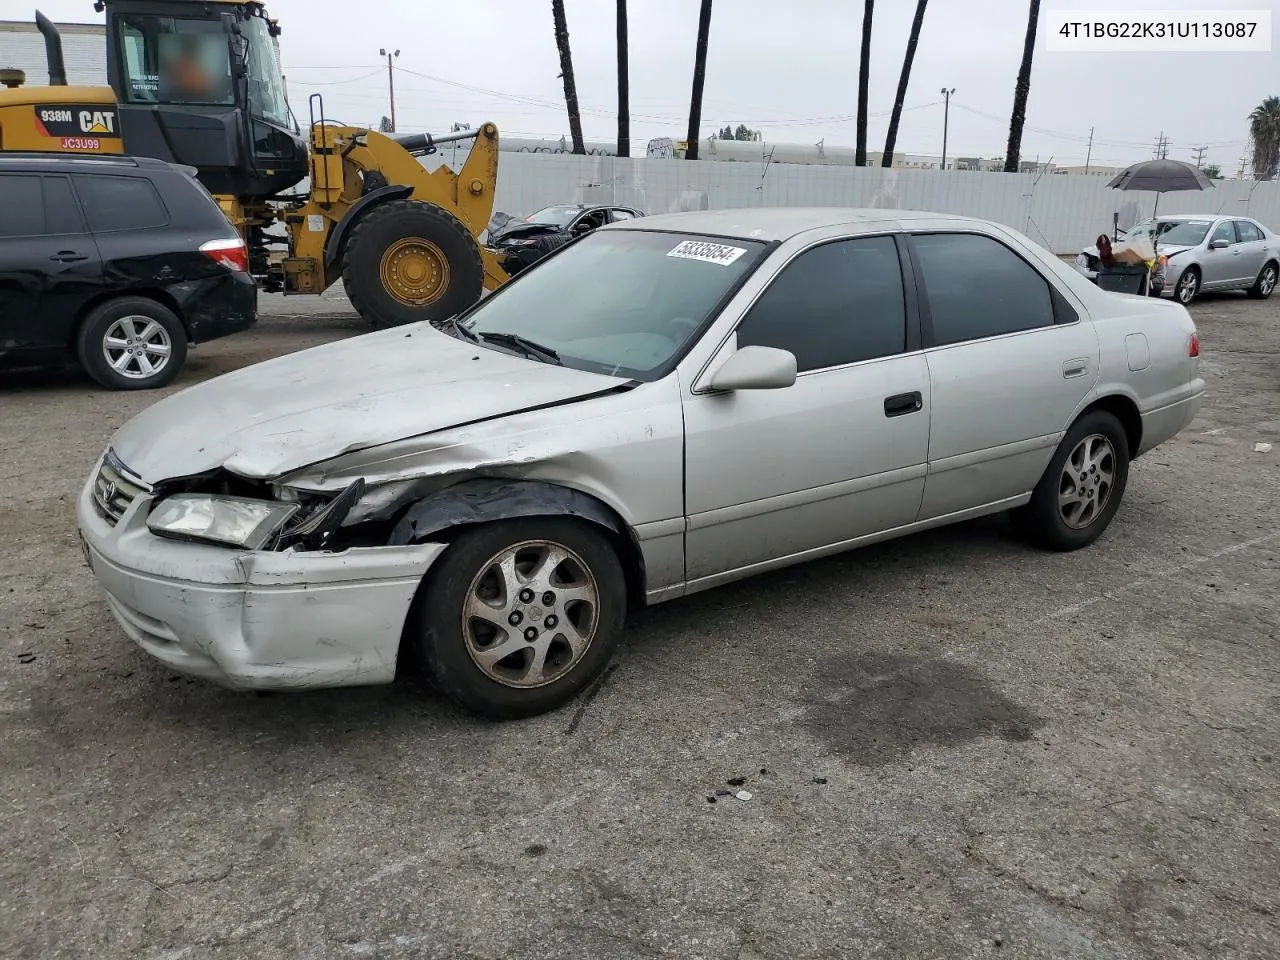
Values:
[(408, 261)]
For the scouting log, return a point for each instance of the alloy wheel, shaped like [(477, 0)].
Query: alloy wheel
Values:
[(1088, 477), (137, 347), (530, 614)]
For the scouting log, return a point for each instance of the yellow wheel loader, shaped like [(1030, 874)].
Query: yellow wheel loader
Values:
[(198, 83)]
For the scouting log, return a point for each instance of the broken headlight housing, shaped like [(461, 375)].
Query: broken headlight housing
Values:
[(229, 521)]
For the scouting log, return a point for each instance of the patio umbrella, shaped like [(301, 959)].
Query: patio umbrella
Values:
[(1161, 176)]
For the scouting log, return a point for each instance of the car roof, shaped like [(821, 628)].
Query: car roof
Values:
[(776, 223), (87, 161)]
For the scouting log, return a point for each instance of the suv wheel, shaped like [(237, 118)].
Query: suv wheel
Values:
[(132, 343), (520, 615)]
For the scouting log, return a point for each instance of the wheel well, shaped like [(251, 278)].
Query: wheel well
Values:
[(1126, 411), (589, 510), (159, 296)]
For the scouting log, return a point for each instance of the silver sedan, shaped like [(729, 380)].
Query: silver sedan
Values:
[(662, 407), (1207, 253)]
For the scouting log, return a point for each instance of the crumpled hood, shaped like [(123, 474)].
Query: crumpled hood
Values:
[(278, 416), (522, 228)]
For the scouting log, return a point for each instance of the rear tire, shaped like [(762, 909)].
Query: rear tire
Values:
[(1265, 285), (487, 596), (408, 261), (1081, 489), (132, 343), (1188, 286)]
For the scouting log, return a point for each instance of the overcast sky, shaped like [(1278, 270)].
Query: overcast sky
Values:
[(789, 69)]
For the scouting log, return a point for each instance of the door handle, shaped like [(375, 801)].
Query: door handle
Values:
[(903, 403), (67, 256), (1074, 368)]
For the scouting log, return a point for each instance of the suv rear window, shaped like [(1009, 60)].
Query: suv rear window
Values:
[(120, 203)]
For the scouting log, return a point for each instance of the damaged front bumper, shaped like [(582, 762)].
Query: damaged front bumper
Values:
[(254, 619)]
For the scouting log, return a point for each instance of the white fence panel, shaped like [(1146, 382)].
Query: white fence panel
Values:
[(1063, 212)]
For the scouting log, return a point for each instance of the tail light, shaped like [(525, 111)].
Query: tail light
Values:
[(231, 252), (1194, 349)]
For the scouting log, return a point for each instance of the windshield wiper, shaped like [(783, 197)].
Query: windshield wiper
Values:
[(530, 347), (462, 332)]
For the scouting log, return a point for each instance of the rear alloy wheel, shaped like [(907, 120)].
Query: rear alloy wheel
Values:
[(1188, 286), (132, 344), (1265, 285), (520, 615), (1081, 489)]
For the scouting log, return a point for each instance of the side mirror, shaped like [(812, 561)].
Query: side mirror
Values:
[(580, 228), (756, 368), (1219, 244)]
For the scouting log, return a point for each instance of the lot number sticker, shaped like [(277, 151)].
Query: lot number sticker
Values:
[(707, 252)]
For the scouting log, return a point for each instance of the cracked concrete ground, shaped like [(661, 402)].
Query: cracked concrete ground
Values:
[(956, 746)]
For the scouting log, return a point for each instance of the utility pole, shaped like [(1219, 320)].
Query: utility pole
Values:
[(391, 82), (946, 120), (1162, 147), (1199, 152), (1089, 154)]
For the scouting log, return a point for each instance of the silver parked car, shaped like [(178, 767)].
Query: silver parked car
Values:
[(1209, 252), (664, 406)]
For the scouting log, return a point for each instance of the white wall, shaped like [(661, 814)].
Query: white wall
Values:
[(1061, 212), (83, 51)]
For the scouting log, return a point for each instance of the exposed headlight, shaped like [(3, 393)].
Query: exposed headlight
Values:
[(231, 521)]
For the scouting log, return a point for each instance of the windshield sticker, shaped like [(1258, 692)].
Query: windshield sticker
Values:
[(707, 252)]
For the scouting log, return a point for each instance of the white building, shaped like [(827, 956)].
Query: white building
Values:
[(84, 49)]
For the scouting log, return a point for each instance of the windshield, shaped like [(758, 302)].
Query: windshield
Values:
[(555, 216), (266, 82), (1141, 230), (1183, 232), (621, 302)]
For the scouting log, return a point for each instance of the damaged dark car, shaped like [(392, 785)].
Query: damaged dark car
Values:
[(523, 242)]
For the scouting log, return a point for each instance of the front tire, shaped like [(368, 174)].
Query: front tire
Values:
[(520, 615), (1188, 286), (1265, 285), (408, 261), (132, 343), (1081, 489)]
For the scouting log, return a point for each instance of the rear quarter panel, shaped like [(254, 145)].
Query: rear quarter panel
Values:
[(1145, 355)]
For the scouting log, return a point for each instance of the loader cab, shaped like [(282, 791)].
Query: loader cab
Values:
[(198, 83)]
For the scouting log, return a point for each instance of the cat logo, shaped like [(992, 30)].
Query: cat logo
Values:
[(98, 121), (77, 120)]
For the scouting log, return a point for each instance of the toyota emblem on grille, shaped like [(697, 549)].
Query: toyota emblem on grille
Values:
[(106, 490)]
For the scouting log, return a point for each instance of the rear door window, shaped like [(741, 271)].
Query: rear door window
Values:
[(1248, 232), (23, 206), (977, 287), (120, 203)]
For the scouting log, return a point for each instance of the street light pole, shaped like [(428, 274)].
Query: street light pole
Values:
[(391, 83), (946, 120)]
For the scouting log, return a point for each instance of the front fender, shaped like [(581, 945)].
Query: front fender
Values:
[(333, 244)]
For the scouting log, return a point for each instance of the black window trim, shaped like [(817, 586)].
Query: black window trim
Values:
[(1064, 314), (76, 202), (98, 174)]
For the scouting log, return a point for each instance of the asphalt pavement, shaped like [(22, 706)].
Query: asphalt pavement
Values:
[(954, 745)]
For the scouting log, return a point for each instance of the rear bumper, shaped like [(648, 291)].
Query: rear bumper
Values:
[(254, 619), (220, 306)]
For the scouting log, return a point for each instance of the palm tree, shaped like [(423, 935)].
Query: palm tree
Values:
[(1021, 92), (891, 140), (624, 109), (1264, 127), (566, 71), (699, 75), (864, 81)]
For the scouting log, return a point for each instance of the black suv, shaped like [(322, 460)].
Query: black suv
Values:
[(117, 263)]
